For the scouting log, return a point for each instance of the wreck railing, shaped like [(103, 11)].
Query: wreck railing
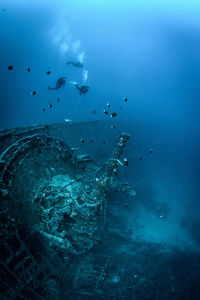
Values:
[(99, 192)]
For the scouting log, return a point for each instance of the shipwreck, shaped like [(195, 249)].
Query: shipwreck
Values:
[(53, 205)]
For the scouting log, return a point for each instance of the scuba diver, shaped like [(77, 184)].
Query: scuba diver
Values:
[(76, 64), (60, 82), (83, 89)]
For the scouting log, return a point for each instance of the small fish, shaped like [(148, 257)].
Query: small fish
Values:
[(126, 161), (94, 111), (105, 112), (104, 142), (113, 115), (126, 205), (44, 109), (50, 105), (115, 171), (108, 104), (112, 126), (10, 67), (140, 158), (29, 69), (120, 108), (68, 120), (92, 140), (33, 93), (82, 141), (48, 72), (151, 150), (98, 180), (125, 99), (58, 100)]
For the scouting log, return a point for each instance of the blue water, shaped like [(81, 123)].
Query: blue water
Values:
[(147, 51)]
